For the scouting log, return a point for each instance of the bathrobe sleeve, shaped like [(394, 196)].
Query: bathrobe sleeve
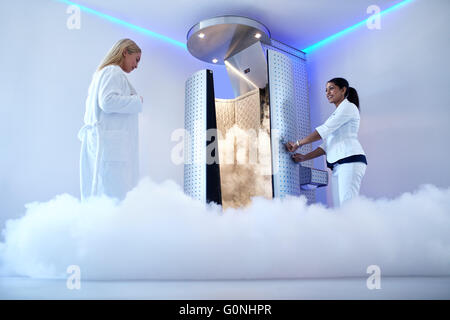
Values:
[(112, 94), (342, 115)]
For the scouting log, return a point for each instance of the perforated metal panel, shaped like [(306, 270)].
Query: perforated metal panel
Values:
[(290, 119), (195, 125), (319, 177), (288, 49), (313, 177), (303, 115), (225, 115)]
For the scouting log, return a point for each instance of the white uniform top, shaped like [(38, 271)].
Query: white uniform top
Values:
[(340, 133), (109, 159)]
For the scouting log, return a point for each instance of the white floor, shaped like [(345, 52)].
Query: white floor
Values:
[(345, 288)]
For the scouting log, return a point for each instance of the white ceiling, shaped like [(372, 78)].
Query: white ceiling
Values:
[(298, 23)]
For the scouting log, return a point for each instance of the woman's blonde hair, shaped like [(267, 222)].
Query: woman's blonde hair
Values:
[(115, 54)]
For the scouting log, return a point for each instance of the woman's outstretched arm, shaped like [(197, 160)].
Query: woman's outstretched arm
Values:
[(292, 146), (313, 136)]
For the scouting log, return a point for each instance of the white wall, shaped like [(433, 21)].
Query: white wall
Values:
[(46, 69), (45, 73), (401, 74)]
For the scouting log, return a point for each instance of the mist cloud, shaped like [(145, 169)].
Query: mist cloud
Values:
[(158, 232)]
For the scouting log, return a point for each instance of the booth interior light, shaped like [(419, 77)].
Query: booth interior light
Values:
[(240, 74)]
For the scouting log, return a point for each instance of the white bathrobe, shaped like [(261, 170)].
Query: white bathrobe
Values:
[(109, 159)]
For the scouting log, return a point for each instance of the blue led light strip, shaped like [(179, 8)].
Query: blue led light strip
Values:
[(183, 45), (126, 24), (345, 31)]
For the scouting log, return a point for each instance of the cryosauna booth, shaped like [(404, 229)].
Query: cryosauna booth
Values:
[(234, 148)]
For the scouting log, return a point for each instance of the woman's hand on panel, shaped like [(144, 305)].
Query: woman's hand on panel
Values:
[(291, 146), (298, 157)]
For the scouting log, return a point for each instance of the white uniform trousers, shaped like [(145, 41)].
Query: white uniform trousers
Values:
[(346, 181)]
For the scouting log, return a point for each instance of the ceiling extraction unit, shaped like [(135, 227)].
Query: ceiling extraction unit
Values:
[(221, 37)]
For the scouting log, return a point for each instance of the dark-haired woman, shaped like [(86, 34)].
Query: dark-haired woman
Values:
[(345, 155)]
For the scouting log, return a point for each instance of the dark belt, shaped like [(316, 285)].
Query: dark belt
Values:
[(355, 158)]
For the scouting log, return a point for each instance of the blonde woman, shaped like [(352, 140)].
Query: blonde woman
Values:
[(109, 139)]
